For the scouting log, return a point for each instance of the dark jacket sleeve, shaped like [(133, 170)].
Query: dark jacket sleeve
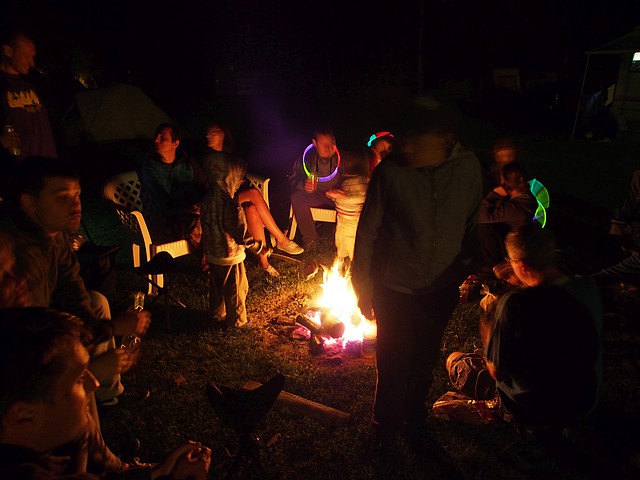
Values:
[(71, 294)]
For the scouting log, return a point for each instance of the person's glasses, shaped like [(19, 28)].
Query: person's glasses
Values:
[(512, 260)]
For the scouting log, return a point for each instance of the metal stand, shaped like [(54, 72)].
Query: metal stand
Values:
[(244, 411), (161, 263)]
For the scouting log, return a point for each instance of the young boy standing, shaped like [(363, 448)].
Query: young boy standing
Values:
[(224, 240), (349, 198)]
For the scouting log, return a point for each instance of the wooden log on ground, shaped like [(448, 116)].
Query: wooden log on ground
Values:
[(308, 408)]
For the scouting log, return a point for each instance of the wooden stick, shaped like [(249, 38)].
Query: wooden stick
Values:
[(308, 408), (286, 257)]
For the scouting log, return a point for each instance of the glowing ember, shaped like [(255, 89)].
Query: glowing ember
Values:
[(338, 303)]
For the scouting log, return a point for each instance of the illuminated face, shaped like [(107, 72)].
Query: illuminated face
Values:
[(325, 145), (21, 56), (64, 417), (504, 155), (165, 146), (57, 207), (13, 291), (215, 138)]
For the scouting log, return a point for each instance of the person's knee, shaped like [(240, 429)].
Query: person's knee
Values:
[(100, 304), (250, 195), (452, 358)]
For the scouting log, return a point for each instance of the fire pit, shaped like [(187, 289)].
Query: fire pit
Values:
[(333, 320)]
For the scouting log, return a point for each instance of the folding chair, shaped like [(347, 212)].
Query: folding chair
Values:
[(125, 192)]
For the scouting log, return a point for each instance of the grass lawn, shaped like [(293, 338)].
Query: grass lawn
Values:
[(587, 179)]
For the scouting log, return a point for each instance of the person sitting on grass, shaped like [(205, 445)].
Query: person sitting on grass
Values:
[(13, 293), (45, 386), (543, 345), (509, 205)]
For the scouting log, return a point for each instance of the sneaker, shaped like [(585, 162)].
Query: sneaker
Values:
[(272, 271), (292, 248), (129, 395), (132, 395), (310, 246)]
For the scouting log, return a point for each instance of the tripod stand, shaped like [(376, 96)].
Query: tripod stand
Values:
[(244, 411), (161, 263)]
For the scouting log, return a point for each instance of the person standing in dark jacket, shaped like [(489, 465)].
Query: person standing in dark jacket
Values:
[(412, 251)]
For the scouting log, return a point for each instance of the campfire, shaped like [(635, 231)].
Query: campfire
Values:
[(334, 319)]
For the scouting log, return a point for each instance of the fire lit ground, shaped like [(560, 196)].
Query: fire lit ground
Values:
[(176, 365)]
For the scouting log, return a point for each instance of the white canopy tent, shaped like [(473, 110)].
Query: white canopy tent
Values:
[(626, 97)]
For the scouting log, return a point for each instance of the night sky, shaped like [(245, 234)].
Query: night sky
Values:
[(188, 52)]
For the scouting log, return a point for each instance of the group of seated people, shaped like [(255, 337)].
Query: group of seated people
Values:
[(70, 363), (59, 368), (207, 201)]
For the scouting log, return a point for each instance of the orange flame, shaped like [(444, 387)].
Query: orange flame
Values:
[(339, 300)]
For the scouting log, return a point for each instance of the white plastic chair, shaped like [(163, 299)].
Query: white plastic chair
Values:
[(318, 214), (124, 190)]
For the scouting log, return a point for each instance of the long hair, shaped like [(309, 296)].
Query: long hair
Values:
[(228, 145)]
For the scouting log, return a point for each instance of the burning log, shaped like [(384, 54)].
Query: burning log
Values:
[(330, 326), (306, 322), (308, 408), (316, 344)]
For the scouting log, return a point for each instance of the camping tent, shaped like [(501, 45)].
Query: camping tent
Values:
[(116, 112), (626, 97)]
